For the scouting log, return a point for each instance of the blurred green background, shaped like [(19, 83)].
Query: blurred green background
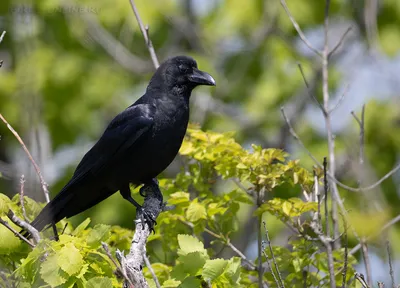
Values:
[(70, 67)]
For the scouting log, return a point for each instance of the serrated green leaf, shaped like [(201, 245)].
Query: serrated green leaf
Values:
[(178, 197), (70, 259), (287, 208), (196, 211), (99, 282), (51, 272), (232, 270), (188, 244), (4, 201), (213, 268)]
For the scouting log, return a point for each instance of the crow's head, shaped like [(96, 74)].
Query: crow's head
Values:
[(180, 74)]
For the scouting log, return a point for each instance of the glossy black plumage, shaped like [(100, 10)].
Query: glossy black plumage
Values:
[(137, 145)]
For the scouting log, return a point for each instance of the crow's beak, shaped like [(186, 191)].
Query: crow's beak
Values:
[(201, 78)]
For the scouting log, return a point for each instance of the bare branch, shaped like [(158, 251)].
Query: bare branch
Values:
[(273, 257), (352, 189), (145, 33), (309, 90), (346, 253), (37, 169), (346, 88), (2, 36), (21, 223), (5, 223), (119, 270), (21, 197), (360, 278), (298, 29), (132, 265), (153, 274), (391, 273), (340, 42)]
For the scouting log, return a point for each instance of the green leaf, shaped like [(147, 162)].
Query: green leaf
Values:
[(99, 233), (99, 282), (196, 211), (81, 227), (4, 201), (171, 283), (70, 259), (190, 282), (178, 197), (232, 270), (214, 268), (188, 244), (287, 207), (193, 262), (50, 271)]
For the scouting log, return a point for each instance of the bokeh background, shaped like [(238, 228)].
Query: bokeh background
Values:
[(70, 67)]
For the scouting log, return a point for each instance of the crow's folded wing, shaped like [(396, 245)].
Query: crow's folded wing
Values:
[(121, 134)]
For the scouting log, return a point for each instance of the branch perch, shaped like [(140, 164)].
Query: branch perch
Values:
[(132, 264)]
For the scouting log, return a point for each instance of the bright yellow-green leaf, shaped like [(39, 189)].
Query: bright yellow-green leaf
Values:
[(51, 272), (213, 268), (70, 259), (188, 243), (196, 211), (99, 282)]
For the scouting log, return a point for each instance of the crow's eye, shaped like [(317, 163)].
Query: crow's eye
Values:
[(183, 68)]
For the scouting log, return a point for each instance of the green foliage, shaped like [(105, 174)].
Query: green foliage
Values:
[(77, 259)]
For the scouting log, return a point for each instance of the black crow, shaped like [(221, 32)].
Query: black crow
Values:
[(137, 145)]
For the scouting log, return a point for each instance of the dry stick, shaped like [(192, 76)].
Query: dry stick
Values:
[(327, 228), (145, 33), (361, 163), (340, 42), (346, 253), (273, 255), (270, 266), (37, 169), (21, 197), (5, 223), (360, 278), (108, 253), (21, 223), (331, 142), (2, 36), (153, 274), (298, 29), (390, 263)]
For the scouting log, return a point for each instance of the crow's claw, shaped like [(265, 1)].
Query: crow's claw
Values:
[(147, 218)]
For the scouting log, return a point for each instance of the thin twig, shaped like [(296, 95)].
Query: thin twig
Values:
[(25, 225), (145, 33), (298, 29), (5, 223), (269, 265), (340, 42), (391, 273), (21, 197), (37, 169), (260, 250), (2, 36), (346, 89), (309, 90), (346, 252), (360, 278), (119, 270), (344, 186), (327, 229), (273, 255), (153, 274)]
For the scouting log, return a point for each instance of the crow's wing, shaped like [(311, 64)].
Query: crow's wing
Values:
[(121, 134)]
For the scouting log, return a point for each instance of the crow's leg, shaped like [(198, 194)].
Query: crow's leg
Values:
[(144, 216), (153, 182), (126, 193)]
